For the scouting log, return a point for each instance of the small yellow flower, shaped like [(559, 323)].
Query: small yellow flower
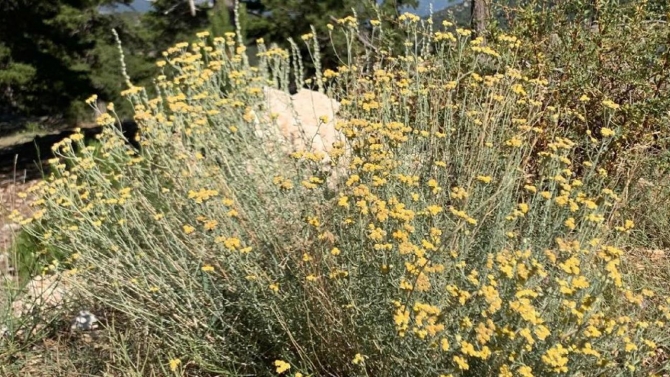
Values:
[(525, 371), (505, 372), (343, 201), (523, 207), (92, 99), (629, 224), (514, 142), (607, 132), (463, 32), (282, 366), (174, 364), (458, 193), (188, 229), (461, 362), (610, 104), (207, 268), (329, 73), (556, 358), (211, 224), (484, 178), (313, 221), (433, 209), (358, 359), (444, 344)]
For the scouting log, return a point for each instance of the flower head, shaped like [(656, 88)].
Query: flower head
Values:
[(282, 366)]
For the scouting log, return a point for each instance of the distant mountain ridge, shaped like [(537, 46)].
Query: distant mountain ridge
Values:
[(423, 9), (458, 13)]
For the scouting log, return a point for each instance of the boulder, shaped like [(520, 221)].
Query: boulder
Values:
[(43, 292), (304, 121)]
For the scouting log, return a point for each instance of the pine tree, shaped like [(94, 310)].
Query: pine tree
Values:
[(50, 53), (277, 20)]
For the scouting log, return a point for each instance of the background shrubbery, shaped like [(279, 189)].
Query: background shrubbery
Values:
[(481, 225)]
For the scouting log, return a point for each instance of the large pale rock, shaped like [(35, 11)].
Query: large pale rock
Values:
[(45, 296), (304, 121), (45, 292), (300, 119)]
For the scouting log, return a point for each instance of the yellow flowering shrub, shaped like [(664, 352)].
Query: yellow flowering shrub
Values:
[(466, 237)]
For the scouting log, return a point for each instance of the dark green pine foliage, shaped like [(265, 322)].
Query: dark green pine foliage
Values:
[(277, 20), (54, 54), (171, 21)]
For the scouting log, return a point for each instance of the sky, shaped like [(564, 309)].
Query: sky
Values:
[(422, 10)]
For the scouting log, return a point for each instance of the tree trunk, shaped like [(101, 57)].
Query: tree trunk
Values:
[(479, 16), (191, 4), (230, 6)]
